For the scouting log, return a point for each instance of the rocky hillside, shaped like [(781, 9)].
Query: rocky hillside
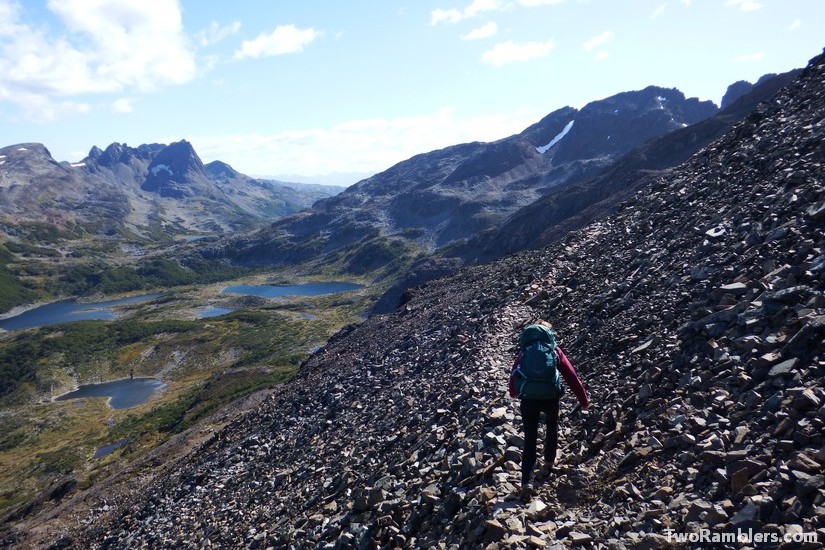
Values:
[(151, 189), (695, 315)]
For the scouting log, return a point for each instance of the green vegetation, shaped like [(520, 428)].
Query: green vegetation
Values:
[(71, 346), (380, 257), (153, 274), (12, 290), (60, 461), (43, 232), (175, 416), (22, 248), (261, 339), (206, 364)]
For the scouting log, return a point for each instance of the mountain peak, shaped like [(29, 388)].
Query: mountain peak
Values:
[(613, 126), (112, 155), (32, 157), (219, 170), (27, 149), (94, 152), (172, 168)]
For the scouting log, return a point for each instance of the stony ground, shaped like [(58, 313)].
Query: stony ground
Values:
[(695, 316)]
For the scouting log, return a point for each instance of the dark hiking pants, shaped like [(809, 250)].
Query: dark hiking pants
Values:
[(531, 410)]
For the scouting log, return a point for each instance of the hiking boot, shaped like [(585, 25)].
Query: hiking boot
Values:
[(545, 471), (527, 492)]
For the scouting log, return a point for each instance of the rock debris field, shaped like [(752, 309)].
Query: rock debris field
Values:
[(695, 316)]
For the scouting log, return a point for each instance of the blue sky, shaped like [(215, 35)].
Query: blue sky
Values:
[(309, 88)]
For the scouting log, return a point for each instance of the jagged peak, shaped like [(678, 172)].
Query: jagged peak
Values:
[(218, 169), (542, 132), (94, 152), (180, 156)]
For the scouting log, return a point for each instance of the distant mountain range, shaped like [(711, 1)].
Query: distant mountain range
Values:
[(152, 189), (454, 193), (476, 201), (466, 203)]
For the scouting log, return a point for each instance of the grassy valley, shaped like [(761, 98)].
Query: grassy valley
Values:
[(206, 363), (47, 447)]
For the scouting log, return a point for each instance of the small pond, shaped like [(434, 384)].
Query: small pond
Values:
[(214, 312), (122, 394), (110, 448), (67, 311), (304, 289)]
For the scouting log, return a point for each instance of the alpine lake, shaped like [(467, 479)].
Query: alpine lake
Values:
[(165, 361)]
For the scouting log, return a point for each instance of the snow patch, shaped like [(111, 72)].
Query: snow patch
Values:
[(2, 162), (556, 139), (22, 149), (660, 98), (162, 168), (2, 156), (77, 164)]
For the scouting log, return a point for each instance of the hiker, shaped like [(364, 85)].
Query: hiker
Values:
[(535, 380)]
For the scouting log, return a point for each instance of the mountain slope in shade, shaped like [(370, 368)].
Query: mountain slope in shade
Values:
[(570, 207), (445, 196)]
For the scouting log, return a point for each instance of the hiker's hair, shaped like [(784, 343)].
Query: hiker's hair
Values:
[(543, 323)]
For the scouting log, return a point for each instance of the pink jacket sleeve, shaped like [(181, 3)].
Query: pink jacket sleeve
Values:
[(511, 383), (572, 379)]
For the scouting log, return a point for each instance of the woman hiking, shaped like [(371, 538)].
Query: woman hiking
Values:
[(535, 380)]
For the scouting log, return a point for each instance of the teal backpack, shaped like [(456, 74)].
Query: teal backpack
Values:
[(537, 376)]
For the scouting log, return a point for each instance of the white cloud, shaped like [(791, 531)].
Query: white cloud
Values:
[(478, 7), (41, 109), (797, 23), (133, 43), (504, 53), (445, 16), (601, 56), (534, 3), (123, 105), (747, 58), (659, 11), (687, 2), (103, 46), (363, 146), (453, 15), (597, 41), (285, 39), (214, 33), (481, 6), (744, 5), (485, 31)]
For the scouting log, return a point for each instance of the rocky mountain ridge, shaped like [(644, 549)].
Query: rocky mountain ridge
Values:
[(695, 315), (145, 189), (445, 196), (571, 207)]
